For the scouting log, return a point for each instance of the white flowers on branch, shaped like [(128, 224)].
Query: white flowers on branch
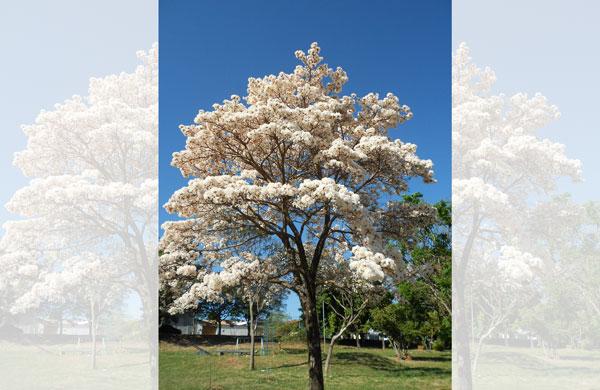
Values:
[(240, 273)]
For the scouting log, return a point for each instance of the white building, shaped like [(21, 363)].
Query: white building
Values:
[(189, 325)]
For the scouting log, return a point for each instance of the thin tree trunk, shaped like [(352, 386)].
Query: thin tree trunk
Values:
[(330, 352), (251, 336), (357, 340), (313, 340), (480, 346), (396, 350), (477, 354)]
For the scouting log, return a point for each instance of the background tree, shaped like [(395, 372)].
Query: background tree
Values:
[(229, 308), (290, 330), (423, 297), (431, 257), (405, 321), (347, 304), (266, 306), (259, 295), (564, 234), (300, 172)]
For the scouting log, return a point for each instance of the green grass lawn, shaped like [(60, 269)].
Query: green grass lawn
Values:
[(68, 366), (286, 368)]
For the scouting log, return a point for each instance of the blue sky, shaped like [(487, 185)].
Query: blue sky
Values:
[(209, 49)]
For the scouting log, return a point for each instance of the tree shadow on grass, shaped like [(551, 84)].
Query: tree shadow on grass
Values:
[(422, 358), (294, 351), (146, 363), (580, 357), (384, 364), (289, 365), (535, 363), (519, 359)]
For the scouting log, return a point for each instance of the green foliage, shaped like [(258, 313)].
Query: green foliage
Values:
[(421, 312), (215, 311), (333, 321), (438, 345), (406, 320), (290, 330)]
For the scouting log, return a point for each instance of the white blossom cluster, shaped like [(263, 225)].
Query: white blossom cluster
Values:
[(517, 266), (244, 273), (84, 278), (370, 266)]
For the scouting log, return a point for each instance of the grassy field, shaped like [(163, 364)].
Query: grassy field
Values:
[(525, 368), (285, 368)]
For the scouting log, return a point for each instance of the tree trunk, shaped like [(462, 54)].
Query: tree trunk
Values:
[(149, 297), (251, 336), (93, 329), (461, 347), (218, 326), (313, 340), (357, 340)]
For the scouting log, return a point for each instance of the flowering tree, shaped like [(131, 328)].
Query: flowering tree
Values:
[(296, 176), (93, 166), (500, 165)]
